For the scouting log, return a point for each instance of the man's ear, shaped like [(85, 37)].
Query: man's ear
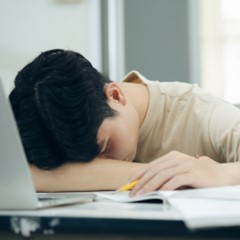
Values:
[(113, 93)]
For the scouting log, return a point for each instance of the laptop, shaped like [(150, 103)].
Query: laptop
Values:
[(16, 185)]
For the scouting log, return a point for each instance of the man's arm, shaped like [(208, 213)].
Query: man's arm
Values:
[(99, 174)]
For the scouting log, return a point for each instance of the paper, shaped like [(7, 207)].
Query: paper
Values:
[(200, 208), (204, 213), (218, 193), (124, 197)]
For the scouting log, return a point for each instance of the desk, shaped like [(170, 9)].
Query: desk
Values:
[(105, 220)]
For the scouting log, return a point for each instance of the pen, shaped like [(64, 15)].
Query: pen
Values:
[(128, 186)]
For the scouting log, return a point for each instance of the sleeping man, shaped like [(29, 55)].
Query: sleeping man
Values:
[(83, 132)]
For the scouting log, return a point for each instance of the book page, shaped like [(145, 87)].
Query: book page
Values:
[(218, 193), (124, 196)]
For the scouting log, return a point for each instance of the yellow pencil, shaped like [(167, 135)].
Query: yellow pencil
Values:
[(127, 186)]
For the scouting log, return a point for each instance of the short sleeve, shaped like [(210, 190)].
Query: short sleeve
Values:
[(224, 131)]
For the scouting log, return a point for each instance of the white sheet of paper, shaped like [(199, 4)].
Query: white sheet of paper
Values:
[(203, 213)]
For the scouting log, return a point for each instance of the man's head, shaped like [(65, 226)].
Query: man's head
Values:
[(118, 137), (59, 105)]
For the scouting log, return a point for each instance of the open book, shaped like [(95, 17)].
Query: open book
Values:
[(200, 208), (217, 193)]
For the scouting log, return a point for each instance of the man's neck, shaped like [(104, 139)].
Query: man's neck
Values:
[(137, 93)]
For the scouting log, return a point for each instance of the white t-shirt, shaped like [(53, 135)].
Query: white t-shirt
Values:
[(186, 118)]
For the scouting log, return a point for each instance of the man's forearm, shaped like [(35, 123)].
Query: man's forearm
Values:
[(99, 174)]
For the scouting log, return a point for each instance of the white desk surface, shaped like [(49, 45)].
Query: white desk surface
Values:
[(104, 209), (106, 218)]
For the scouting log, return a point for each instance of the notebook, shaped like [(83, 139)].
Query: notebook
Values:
[(231, 193), (16, 185)]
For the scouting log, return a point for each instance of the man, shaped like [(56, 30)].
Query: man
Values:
[(81, 131)]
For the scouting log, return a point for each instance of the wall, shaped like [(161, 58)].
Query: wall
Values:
[(29, 27), (161, 39), (158, 37)]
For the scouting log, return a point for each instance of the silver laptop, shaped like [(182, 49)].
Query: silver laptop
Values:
[(16, 185)]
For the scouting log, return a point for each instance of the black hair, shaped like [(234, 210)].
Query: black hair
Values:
[(59, 104)]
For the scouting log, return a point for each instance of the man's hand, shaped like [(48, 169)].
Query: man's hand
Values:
[(176, 170)]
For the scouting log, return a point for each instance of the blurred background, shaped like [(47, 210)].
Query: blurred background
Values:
[(195, 41)]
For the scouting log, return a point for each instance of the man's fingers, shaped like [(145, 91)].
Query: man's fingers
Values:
[(154, 181), (167, 161), (146, 178), (163, 161), (177, 182)]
